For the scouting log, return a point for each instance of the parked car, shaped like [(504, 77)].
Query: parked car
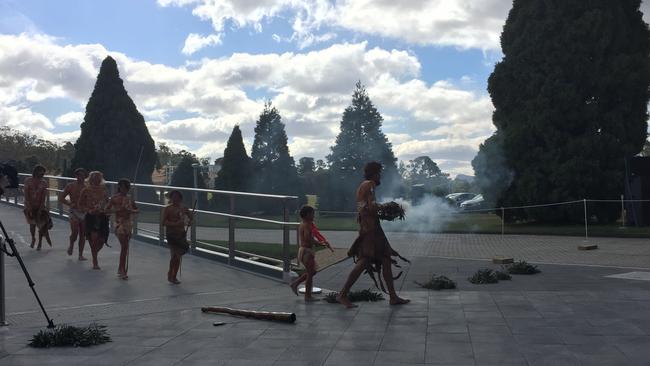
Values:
[(457, 198), (475, 203)]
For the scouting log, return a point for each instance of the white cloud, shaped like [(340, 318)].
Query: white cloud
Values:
[(310, 89), (195, 42), (70, 119)]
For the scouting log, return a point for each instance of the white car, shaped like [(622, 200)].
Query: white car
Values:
[(458, 198), (473, 204)]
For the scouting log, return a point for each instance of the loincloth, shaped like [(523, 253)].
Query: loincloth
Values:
[(177, 242), (123, 227), (303, 255), (76, 214), (40, 217), (97, 223), (372, 245)]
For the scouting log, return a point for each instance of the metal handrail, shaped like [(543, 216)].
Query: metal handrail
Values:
[(232, 217), (205, 190)]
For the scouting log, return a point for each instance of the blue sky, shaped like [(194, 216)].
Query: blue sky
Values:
[(195, 68)]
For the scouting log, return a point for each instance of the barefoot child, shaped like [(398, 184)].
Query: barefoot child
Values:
[(92, 201), (309, 236), (76, 216), (124, 207), (173, 218)]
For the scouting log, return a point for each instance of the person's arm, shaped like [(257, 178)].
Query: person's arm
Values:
[(27, 189), (369, 197), (81, 202), (63, 195), (305, 236)]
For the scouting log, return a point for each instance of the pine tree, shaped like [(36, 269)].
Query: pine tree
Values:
[(235, 166), (360, 141), (113, 132), (570, 97), (274, 170)]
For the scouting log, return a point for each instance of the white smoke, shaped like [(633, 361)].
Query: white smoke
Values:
[(430, 214)]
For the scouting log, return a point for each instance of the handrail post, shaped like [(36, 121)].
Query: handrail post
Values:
[(135, 198), (286, 261), (161, 231), (503, 221), (195, 197), (60, 184), (586, 229), (3, 319), (231, 232)]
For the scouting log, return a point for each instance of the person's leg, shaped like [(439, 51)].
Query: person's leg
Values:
[(390, 285), (74, 232), (311, 270), (40, 239), (32, 230), (342, 297), (177, 265), (82, 239), (94, 248), (124, 248), (294, 285)]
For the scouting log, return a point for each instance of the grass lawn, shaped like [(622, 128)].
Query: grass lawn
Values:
[(478, 223)]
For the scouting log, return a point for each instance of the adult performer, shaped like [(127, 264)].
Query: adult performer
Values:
[(36, 213), (371, 249), (76, 215), (93, 200)]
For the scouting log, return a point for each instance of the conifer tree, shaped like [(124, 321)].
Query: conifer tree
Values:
[(360, 141), (235, 166), (274, 170), (113, 131)]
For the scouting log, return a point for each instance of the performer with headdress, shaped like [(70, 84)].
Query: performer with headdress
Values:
[(371, 250), (124, 208), (173, 218), (75, 214), (92, 201), (36, 212)]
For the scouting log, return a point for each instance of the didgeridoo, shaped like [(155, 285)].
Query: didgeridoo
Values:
[(262, 315)]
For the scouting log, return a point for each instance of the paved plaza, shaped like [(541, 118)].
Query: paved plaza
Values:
[(570, 314)]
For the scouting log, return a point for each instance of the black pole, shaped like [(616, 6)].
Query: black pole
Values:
[(14, 253)]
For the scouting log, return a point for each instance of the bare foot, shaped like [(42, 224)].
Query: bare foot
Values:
[(82, 258), (399, 301), (70, 250), (33, 242), (175, 281), (345, 301), (124, 277), (294, 288), (96, 267), (38, 247)]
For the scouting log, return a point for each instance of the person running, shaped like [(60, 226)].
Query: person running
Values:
[(124, 208), (36, 213), (76, 216), (92, 201), (173, 218), (371, 250), (309, 236)]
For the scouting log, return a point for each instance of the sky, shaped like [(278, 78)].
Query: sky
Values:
[(197, 68)]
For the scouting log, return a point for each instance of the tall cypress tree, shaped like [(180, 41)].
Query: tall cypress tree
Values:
[(570, 97), (273, 168), (235, 167), (360, 141), (113, 132)]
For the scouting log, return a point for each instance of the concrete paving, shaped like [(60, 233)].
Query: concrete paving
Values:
[(566, 315)]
